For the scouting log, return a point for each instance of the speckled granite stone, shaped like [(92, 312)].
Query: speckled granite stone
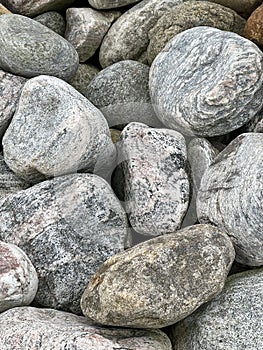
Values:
[(244, 8), (85, 73), (110, 4), (53, 20)]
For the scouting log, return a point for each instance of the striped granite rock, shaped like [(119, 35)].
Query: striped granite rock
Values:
[(110, 4), (53, 20)]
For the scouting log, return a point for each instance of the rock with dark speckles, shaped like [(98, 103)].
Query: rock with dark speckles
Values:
[(110, 4), (53, 20), (85, 73)]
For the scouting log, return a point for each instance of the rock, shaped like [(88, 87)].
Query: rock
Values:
[(10, 90), (161, 281), (105, 5), (230, 196), (121, 92), (255, 124), (127, 38), (193, 94), (68, 226), (50, 329), (4, 10), (84, 75), (29, 48), (18, 278), (188, 15), (254, 26), (115, 135), (231, 321), (86, 28), (53, 20), (56, 131), (244, 8)]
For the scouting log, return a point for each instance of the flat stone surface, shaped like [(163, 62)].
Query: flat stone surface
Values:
[(18, 278), (56, 131), (29, 48), (85, 73), (232, 321), (244, 8), (193, 94), (53, 20), (230, 196), (254, 26), (110, 4), (68, 226), (161, 281)]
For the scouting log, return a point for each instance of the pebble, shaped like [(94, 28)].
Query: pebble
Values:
[(230, 196), (29, 48), (121, 92), (232, 321), (161, 281), (191, 93), (18, 278), (53, 20), (56, 131), (106, 5), (4, 10), (244, 8), (254, 26), (85, 73), (68, 226)]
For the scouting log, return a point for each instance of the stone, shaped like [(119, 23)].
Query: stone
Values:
[(115, 135), (85, 73), (68, 227), (86, 28), (53, 330), (244, 8), (232, 321), (127, 39), (29, 48), (18, 278), (255, 124), (188, 15), (53, 20), (10, 90), (254, 26), (107, 5), (207, 82), (230, 196), (161, 281), (4, 10), (121, 92), (56, 131)]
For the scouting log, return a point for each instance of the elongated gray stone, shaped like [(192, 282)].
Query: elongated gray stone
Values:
[(110, 4), (18, 278), (85, 73), (192, 93), (53, 20), (56, 131), (161, 281), (232, 321), (68, 226), (29, 48), (230, 196)]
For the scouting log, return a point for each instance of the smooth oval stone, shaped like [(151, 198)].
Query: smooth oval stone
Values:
[(244, 8), (53, 20), (207, 82), (121, 92), (231, 321), (230, 196), (68, 226), (56, 131), (85, 73), (159, 282), (188, 15), (105, 5), (254, 26), (29, 48), (18, 278)]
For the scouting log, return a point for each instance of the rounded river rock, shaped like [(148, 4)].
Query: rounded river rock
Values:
[(53, 20), (110, 4)]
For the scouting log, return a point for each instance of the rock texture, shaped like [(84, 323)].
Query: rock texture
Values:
[(56, 131), (230, 196), (192, 93), (161, 281), (110, 4), (254, 26), (29, 48), (121, 92), (244, 8), (3, 10), (232, 321), (18, 278), (255, 124), (68, 227), (84, 75), (53, 20)]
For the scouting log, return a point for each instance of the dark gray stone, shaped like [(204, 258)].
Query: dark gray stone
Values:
[(110, 4), (84, 75), (53, 20)]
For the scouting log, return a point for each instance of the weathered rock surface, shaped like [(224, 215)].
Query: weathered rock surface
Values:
[(53, 20), (255, 124), (254, 26), (105, 5), (232, 321), (84, 75), (193, 94), (68, 226), (56, 131), (244, 8), (160, 281), (3, 10), (53, 330), (230, 196), (18, 278), (29, 48), (121, 92), (188, 15)]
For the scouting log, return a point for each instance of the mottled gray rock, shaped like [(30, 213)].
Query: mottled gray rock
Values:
[(188, 15), (160, 281), (53, 20), (18, 278), (86, 28), (121, 92), (255, 124), (233, 321), (10, 90), (207, 82), (244, 8), (127, 38), (56, 131), (53, 330), (84, 75), (68, 226), (110, 4), (29, 48), (230, 196)]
